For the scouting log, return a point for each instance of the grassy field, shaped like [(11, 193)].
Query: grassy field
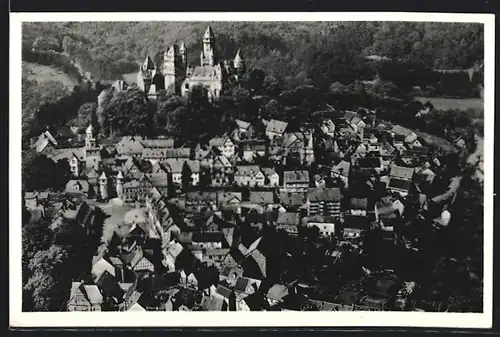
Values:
[(42, 73), (476, 104)]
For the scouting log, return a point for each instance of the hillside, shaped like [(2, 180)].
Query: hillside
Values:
[(42, 74), (302, 51)]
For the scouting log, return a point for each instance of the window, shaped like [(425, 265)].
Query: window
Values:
[(186, 86)]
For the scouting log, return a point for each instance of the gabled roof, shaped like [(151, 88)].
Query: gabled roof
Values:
[(293, 199), (258, 197), (356, 222), (247, 170), (288, 218), (342, 168), (148, 64), (290, 177), (241, 124), (277, 292), (401, 172), (276, 126), (324, 194), (399, 184), (219, 141)]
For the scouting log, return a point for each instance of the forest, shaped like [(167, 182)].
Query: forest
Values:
[(316, 53)]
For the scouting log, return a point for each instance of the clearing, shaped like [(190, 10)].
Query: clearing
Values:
[(42, 73), (441, 103)]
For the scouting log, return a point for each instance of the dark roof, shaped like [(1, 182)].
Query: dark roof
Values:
[(370, 162), (356, 222), (325, 194), (241, 284), (109, 286), (293, 199), (208, 237), (400, 184)]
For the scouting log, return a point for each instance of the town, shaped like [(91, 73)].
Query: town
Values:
[(328, 215)]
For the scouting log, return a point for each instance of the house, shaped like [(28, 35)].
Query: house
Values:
[(253, 149), (196, 200), (324, 224), (272, 178), (79, 186), (401, 172), (289, 222), (386, 214), (328, 127), (425, 174), (298, 145), (460, 142), (387, 153), (262, 198), (45, 141), (175, 167), (222, 165), (296, 181), (369, 164), (275, 128), (207, 240), (214, 256), (400, 179), (142, 261), (276, 294), (159, 143), (224, 145), (31, 200), (292, 200), (85, 297), (229, 199), (76, 164), (130, 146), (324, 201), (411, 138), (194, 167), (354, 226), (249, 175), (341, 171), (242, 125)]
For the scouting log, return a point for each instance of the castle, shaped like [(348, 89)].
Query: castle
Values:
[(177, 77)]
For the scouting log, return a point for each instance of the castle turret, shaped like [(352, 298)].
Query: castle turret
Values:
[(239, 62), (183, 52), (103, 186), (208, 53), (146, 74), (119, 185)]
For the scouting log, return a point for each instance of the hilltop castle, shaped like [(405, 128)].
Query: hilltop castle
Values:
[(177, 77)]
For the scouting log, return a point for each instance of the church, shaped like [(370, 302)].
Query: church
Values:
[(177, 77)]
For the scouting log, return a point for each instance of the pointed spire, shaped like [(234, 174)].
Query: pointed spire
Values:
[(90, 129), (239, 62), (182, 47), (120, 175), (103, 176), (209, 34), (148, 63)]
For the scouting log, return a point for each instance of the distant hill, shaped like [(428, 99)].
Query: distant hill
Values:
[(298, 51)]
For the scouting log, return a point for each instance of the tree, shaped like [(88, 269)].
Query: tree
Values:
[(87, 114), (40, 173), (271, 86), (254, 80), (128, 113), (186, 176)]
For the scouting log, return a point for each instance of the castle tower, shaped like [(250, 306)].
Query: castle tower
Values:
[(103, 186), (170, 69), (146, 74), (183, 52), (90, 142), (119, 185), (208, 53), (239, 62)]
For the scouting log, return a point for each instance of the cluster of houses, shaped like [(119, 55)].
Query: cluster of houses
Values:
[(192, 235)]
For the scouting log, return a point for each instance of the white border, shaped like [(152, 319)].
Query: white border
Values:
[(234, 319)]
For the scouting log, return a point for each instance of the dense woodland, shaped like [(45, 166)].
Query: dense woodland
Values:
[(306, 52)]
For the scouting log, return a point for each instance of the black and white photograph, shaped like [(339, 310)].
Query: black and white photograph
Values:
[(280, 164)]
